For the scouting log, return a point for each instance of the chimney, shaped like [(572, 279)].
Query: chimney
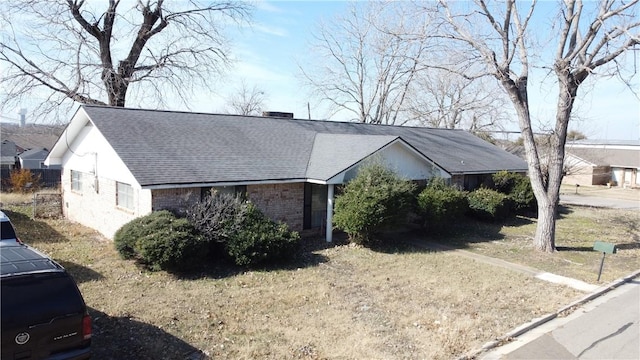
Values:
[(277, 114), (23, 117)]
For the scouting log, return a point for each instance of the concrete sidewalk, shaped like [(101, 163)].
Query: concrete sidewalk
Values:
[(538, 274)]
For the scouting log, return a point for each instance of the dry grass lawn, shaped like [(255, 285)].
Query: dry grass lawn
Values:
[(338, 302), (577, 229)]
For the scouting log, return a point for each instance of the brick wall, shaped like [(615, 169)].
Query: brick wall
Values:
[(174, 199), (280, 202), (95, 206)]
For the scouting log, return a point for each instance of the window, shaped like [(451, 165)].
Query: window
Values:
[(124, 195), (238, 190), (76, 181)]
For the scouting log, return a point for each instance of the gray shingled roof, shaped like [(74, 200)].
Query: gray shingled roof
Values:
[(164, 147), (608, 157), (323, 162)]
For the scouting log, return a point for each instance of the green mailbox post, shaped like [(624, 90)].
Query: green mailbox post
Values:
[(604, 248)]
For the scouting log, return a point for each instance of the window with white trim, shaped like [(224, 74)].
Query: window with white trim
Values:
[(76, 181), (124, 195)]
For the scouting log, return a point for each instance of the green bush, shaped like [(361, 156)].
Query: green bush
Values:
[(522, 196), (376, 199), (260, 240), (440, 204), (161, 241), (518, 188), (488, 204), (504, 181)]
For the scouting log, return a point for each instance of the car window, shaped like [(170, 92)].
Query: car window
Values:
[(7, 231), (37, 298)]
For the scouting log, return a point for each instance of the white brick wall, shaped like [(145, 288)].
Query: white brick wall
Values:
[(95, 206)]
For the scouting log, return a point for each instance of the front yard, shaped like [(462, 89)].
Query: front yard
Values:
[(338, 301)]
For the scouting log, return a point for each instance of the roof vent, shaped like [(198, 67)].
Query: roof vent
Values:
[(278, 114)]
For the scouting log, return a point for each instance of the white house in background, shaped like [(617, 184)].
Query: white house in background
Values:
[(601, 162), (119, 164)]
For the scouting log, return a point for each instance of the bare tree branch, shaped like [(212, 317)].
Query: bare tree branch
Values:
[(246, 100), (68, 51)]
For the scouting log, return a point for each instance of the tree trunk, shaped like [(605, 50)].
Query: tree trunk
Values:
[(547, 206), (545, 237)]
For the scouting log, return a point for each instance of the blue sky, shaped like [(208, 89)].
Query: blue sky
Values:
[(269, 52)]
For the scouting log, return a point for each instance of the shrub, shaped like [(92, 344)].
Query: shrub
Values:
[(241, 230), (504, 181), (22, 180), (374, 200), (160, 240), (488, 204), (440, 204), (260, 240), (217, 217), (522, 196), (518, 188)]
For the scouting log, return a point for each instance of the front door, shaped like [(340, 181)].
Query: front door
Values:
[(315, 206)]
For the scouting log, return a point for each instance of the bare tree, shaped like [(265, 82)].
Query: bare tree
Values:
[(97, 52), (363, 67), (588, 39), (246, 100), (446, 100)]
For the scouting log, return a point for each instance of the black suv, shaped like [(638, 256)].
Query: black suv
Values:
[(43, 313)]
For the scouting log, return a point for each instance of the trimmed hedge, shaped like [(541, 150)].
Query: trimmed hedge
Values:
[(488, 204), (161, 241), (376, 199)]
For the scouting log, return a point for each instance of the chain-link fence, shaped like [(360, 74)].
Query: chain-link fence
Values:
[(47, 205)]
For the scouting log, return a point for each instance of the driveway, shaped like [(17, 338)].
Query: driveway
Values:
[(601, 196), (599, 201)]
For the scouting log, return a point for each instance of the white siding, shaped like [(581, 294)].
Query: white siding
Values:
[(95, 206), (404, 162)]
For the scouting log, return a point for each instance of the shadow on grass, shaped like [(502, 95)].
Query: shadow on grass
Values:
[(575, 248), (563, 211), (80, 273), (33, 232), (123, 337), (220, 267), (458, 235), (628, 246)]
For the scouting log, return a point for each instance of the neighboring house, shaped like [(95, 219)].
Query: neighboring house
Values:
[(31, 136), (8, 152), (119, 164), (598, 162), (34, 159)]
